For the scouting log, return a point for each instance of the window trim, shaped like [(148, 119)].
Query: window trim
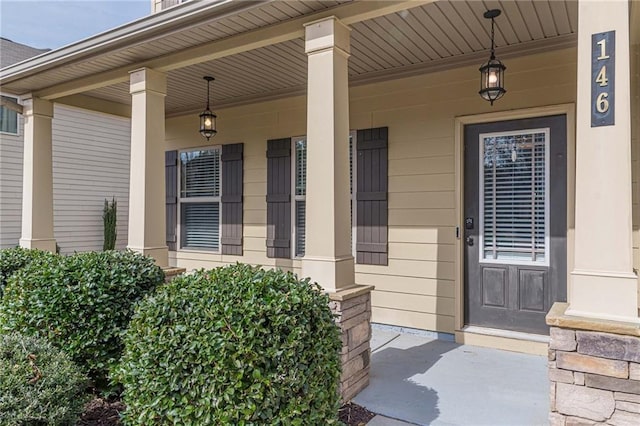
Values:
[(193, 200), (18, 116), (294, 197)]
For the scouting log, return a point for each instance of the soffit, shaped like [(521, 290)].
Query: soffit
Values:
[(261, 15), (429, 37)]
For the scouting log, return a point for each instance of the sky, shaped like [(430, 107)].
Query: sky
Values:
[(55, 23)]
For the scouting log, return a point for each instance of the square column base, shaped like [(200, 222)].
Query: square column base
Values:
[(47, 244), (352, 307), (594, 370), (332, 274), (159, 254), (605, 296)]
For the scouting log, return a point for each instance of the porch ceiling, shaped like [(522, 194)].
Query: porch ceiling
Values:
[(430, 37)]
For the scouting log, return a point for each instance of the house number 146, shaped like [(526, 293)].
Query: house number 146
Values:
[(603, 78)]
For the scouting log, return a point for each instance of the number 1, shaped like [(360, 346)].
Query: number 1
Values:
[(603, 51)]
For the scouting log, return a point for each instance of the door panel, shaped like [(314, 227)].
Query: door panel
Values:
[(515, 222)]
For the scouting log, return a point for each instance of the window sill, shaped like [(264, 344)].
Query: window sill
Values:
[(198, 250)]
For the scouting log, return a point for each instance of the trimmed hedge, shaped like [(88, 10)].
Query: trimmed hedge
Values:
[(13, 259), (39, 384), (234, 345), (81, 303)]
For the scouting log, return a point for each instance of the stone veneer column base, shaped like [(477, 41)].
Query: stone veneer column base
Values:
[(594, 370), (353, 309), (171, 272)]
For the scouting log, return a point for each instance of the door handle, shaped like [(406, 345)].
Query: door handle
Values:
[(469, 241)]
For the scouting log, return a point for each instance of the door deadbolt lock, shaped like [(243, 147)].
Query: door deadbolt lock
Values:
[(468, 223)]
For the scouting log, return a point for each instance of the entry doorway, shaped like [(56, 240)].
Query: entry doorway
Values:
[(515, 222)]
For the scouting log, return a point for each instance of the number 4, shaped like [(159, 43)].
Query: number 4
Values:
[(602, 77)]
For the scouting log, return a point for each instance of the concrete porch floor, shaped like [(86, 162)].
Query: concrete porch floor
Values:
[(423, 380)]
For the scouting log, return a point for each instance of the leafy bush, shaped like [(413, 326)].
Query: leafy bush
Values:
[(235, 345), (39, 384), (12, 259), (81, 303)]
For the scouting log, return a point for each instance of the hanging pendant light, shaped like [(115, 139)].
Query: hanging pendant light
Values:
[(492, 73), (208, 118)]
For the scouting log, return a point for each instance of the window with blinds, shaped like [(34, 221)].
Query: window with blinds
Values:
[(200, 175), (300, 192), (514, 197), (8, 118), (352, 184)]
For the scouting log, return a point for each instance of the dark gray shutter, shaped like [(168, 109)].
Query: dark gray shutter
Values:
[(232, 184), (279, 198), (171, 185), (371, 197)]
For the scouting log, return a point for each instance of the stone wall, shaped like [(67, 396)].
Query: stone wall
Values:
[(595, 378), (353, 310)]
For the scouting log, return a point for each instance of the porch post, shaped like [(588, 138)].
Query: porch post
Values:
[(603, 284), (37, 177), (328, 258), (147, 229)]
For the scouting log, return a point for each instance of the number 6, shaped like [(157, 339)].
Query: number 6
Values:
[(602, 103)]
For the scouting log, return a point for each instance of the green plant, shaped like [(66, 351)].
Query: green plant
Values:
[(81, 303), (109, 214), (13, 259), (234, 345), (39, 384)]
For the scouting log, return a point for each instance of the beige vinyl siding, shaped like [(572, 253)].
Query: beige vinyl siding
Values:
[(11, 149), (90, 163), (417, 288), (252, 125)]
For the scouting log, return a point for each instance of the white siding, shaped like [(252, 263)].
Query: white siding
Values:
[(90, 163), (10, 187)]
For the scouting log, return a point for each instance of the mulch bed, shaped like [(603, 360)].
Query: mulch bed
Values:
[(102, 412), (354, 415)]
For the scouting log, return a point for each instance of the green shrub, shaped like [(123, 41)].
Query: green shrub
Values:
[(12, 259), (39, 384), (235, 345), (81, 303)]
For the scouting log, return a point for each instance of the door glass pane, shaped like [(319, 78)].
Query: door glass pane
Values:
[(514, 196)]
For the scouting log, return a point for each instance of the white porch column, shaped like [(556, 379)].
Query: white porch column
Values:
[(37, 177), (147, 214), (328, 259), (603, 284)]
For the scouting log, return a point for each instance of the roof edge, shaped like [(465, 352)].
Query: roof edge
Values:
[(138, 31)]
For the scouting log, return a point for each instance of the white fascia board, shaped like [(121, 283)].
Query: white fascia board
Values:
[(140, 30)]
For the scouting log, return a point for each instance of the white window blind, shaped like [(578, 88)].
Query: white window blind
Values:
[(514, 196), (201, 225), (300, 192), (200, 174)]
